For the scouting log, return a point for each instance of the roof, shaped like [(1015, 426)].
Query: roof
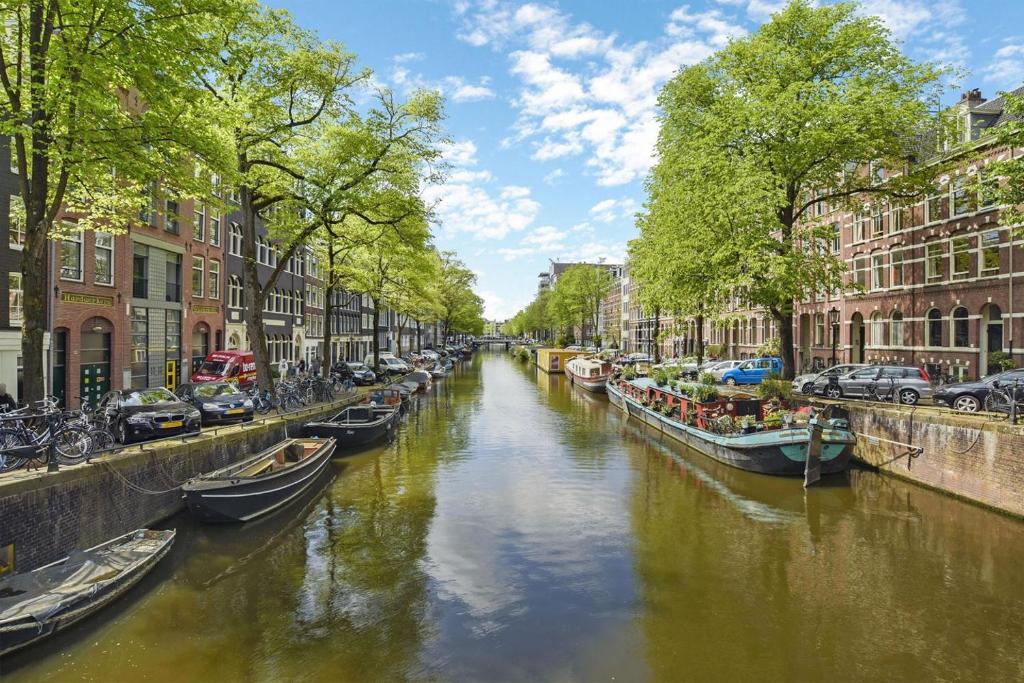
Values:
[(997, 108)]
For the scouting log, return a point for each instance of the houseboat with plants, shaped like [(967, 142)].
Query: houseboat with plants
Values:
[(591, 373), (754, 434)]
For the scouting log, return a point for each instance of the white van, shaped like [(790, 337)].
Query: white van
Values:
[(388, 364)]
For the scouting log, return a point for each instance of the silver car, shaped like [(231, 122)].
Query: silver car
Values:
[(910, 383), (719, 369), (804, 384)]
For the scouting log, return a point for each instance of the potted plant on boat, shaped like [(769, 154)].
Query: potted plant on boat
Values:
[(708, 404)]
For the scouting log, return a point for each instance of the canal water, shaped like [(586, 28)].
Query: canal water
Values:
[(518, 529)]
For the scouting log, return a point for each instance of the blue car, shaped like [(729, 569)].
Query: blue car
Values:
[(753, 371)]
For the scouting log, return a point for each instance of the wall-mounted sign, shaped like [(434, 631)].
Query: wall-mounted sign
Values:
[(90, 299), (206, 309)]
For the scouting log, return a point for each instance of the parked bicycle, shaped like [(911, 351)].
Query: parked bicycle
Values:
[(1005, 398), (26, 435)]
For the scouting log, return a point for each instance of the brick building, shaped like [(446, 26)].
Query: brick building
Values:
[(12, 240), (936, 279)]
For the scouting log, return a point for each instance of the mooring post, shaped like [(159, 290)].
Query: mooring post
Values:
[(51, 448), (812, 467)]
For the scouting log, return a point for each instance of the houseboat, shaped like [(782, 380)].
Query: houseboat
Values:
[(735, 431), (589, 373)]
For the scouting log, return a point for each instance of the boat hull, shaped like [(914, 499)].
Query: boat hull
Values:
[(781, 452), (243, 499), (352, 436), (18, 634), (596, 385)]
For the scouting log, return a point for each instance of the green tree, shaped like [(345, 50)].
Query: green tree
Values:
[(100, 100), (814, 107), (460, 310), (578, 295)]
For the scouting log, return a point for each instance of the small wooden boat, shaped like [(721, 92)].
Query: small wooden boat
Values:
[(356, 426), (388, 396), (421, 377), (589, 373), (36, 604), (782, 451), (259, 484)]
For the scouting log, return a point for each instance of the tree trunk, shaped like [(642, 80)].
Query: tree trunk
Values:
[(785, 322), (655, 334), (700, 340), (401, 328), (34, 323), (328, 359), (376, 334), (253, 294), (419, 338)]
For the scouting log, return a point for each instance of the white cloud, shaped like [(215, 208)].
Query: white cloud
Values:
[(1007, 66), (609, 210), (591, 252), (545, 237), (929, 24), (712, 22), (554, 175), (465, 204), (460, 91), (404, 57)]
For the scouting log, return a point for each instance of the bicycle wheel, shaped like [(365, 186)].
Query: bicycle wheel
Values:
[(100, 440), (10, 443), (997, 402), (73, 445)]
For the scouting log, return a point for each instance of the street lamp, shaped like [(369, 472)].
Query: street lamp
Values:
[(833, 316)]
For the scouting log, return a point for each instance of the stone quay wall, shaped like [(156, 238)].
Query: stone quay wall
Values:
[(978, 458), (45, 516)]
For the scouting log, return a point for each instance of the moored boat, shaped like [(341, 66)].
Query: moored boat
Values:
[(356, 426), (759, 447), (388, 396), (36, 604), (589, 373), (421, 377), (259, 484)]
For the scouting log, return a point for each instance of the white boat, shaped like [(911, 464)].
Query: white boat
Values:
[(589, 373)]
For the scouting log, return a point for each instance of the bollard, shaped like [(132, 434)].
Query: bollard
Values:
[(1013, 402), (51, 456)]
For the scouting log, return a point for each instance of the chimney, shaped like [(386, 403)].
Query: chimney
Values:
[(972, 98)]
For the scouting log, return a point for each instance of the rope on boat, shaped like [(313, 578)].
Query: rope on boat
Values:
[(134, 486)]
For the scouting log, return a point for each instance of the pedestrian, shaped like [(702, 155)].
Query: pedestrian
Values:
[(7, 401), (282, 368), (302, 366), (293, 371), (316, 366)]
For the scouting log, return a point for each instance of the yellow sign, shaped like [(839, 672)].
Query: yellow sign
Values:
[(90, 299), (206, 309)]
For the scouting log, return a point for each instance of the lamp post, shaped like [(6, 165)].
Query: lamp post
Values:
[(833, 316)]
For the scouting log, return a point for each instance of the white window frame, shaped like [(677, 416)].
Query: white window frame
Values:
[(955, 274), (215, 235), (982, 248), (15, 303), (81, 255), (16, 222), (212, 274), (96, 253), (202, 275), (199, 217), (235, 239)]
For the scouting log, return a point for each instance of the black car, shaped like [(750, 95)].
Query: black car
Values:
[(136, 414), (219, 402), (969, 397), (361, 375)]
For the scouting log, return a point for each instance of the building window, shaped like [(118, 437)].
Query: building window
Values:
[(198, 272), (990, 256), (837, 238), (16, 222), (819, 329), (933, 329), (961, 258), (140, 272), (896, 329), (174, 279), (988, 188), (858, 228), (877, 271), (148, 201), (104, 258), (877, 329), (877, 173), (172, 221), (71, 256), (235, 240), (935, 253), (896, 267), (960, 328), (199, 223), (896, 220), (965, 196), (860, 270), (140, 347), (215, 229), (214, 288), (215, 185), (234, 292), (937, 204), (173, 334), (15, 299), (877, 228)]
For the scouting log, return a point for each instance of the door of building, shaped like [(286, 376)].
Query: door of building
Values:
[(94, 373), (60, 366)]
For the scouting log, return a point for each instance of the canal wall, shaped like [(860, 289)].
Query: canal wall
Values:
[(44, 516), (979, 458)]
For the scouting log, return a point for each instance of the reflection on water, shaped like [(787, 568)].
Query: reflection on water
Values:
[(518, 529)]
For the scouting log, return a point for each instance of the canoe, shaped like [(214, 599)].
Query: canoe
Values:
[(36, 604), (777, 451), (259, 484), (356, 426)]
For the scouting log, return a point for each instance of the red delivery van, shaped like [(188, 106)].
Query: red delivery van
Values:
[(233, 366)]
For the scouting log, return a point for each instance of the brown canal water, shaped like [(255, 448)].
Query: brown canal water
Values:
[(518, 529)]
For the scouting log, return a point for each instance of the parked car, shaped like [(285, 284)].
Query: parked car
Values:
[(911, 383), (753, 371), (718, 369), (969, 397), (218, 402), (805, 383), (391, 367), (235, 366), (135, 414), (361, 375)]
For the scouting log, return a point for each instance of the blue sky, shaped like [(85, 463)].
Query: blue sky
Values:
[(551, 106)]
